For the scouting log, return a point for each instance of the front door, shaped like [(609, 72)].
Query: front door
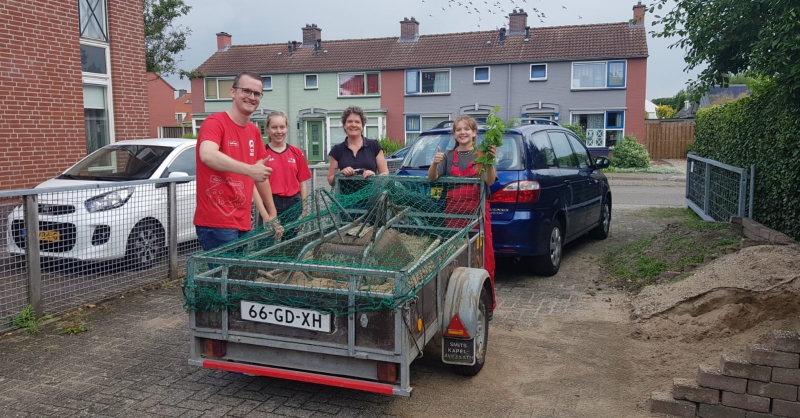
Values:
[(315, 138)]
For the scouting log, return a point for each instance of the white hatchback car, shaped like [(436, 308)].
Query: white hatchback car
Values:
[(111, 222)]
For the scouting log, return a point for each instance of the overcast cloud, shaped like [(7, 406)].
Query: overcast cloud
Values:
[(265, 22)]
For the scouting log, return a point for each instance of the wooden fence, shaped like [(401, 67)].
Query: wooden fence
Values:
[(173, 131), (668, 138)]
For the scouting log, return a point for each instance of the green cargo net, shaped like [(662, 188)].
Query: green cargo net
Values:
[(366, 245)]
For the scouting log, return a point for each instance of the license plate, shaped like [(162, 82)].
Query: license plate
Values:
[(48, 236), (458, 351), (289, 317)]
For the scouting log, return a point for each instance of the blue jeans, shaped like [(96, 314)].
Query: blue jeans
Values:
[(210, 238)]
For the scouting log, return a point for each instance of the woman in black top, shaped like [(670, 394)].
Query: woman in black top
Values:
[(356, 155)]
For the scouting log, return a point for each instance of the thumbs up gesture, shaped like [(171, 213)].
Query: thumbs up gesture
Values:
[(259, 171), (439, 156)]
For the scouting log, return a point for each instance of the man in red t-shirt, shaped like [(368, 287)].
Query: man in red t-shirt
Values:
[(230, 161)]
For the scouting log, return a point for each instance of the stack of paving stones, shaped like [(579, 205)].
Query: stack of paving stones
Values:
[(763, 384)]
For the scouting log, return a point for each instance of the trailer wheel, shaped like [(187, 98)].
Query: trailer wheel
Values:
[(481, 337)]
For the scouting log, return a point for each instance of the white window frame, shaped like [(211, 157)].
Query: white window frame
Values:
[(218, 99), (103, 80), (305, 82), (419, 117), (418, 91), (605, 113), (105, 17), (530, 70), (475, 75), (263, 86), (605, 76), (364, 73)]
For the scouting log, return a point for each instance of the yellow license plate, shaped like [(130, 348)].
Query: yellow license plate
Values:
[(49, 236), (436, 192)]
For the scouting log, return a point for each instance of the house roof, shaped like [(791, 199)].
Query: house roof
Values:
[(155, 77), (558, 43), (733, 91)]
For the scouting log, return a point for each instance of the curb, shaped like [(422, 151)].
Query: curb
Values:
[(646, 177)]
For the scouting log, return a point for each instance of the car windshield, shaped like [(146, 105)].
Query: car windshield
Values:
[(509, 156), (119, 163)]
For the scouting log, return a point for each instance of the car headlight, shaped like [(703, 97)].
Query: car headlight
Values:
[(109, 200)]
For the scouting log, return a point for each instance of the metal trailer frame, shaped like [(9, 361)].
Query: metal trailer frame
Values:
[(347, 364)]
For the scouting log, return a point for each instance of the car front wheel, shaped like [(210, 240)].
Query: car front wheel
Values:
[(145, 246)]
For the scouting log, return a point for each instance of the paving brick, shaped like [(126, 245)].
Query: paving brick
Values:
[(785, 341), (797, 324), (772, 390), (745, 401), (736, 366), (689, 390), (760, 354), (753, 414), (711, 377), (664, 403), (788, 376), (785, 408), (720, 411)]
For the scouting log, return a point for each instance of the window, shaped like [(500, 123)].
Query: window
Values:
[(179, 117), (603, 129), (92, 19), (93, 59), (186, 162), (481, 75), (415, 124), (546, 157), (584, 161), (562, 150), (374, 129), (218, 88), (598, 75), (311, 81), (427, 81), (96, 117), (359, 84), (538, 72), (266, 81)]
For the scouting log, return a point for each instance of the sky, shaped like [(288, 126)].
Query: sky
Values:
[(269, 21)]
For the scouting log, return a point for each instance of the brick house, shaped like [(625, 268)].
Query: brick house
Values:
[(592, 75), (183, 108), (160, 108), (72, 79)]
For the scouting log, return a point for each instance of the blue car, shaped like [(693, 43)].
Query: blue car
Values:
[(549, 191)]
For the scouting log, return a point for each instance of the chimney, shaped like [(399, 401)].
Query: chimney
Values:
[(638, 14), (310, 35), (502, 36), (181, 92), (409, 29), (223, 41), (517, 21)]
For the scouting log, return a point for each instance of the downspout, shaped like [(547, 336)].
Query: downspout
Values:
[(508, 95), (288, 109)]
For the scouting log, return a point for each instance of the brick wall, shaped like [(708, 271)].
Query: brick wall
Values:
[(635, 97), (160, 104), (41, 94), (182, 107), (41, 90), (393, 100), (128, 69), (199, 93)]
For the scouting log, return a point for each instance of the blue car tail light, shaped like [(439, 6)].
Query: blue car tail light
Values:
[(525, 191)]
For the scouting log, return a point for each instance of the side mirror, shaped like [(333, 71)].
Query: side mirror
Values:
[(174, 175), (602, 162)]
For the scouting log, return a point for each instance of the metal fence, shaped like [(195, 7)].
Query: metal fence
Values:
[(67, 247), (173, 131), (717, 191)]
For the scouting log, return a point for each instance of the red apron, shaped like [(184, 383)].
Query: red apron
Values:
[(464, 200)]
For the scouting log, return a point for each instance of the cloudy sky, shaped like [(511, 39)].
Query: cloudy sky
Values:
[(269, 21)]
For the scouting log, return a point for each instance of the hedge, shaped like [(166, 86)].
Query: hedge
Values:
[(758, 130)]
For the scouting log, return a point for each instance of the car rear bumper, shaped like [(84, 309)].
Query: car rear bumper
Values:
[(520, 236)]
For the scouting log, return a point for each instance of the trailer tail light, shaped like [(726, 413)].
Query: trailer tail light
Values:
[(456, 328), (525, 191), (387, 372), (216, 348)]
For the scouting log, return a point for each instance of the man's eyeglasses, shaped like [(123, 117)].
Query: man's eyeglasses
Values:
[(248, 92)]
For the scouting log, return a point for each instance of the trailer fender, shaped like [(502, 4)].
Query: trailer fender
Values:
[(462, 296)]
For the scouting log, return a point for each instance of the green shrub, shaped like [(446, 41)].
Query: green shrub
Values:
[(630, 154), (577, 128), (758, 130), (189, 135), (665, 112), (389, 146)]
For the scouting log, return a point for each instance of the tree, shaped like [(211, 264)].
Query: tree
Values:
[(665, 112), (735, 37), (163, 38)]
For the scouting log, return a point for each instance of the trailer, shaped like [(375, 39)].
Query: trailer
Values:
[(349, 289)]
